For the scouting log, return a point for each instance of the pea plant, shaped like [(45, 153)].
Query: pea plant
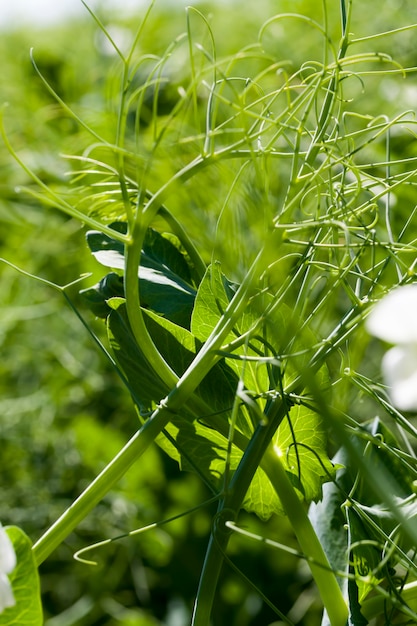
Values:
[(248, 212)]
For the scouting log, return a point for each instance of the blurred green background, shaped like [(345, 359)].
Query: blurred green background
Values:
[(63, 411)]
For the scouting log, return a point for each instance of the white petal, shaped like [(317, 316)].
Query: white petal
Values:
[(394, 317), (399, 367), (6, 594), (7, 553)]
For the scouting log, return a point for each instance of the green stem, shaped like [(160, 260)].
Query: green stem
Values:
[(229, 508), (260, 452), (217, 337), (133, 252), (310, 545), (135, 447), (119, 465)]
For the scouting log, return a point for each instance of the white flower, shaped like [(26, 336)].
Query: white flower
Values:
[(7, 565), (394, 320)]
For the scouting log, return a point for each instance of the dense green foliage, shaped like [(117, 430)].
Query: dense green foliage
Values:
[(66, 408)]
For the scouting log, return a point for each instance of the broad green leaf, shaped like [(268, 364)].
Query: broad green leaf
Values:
[(201, 449), (210, 450), (302, 450), (261, 497), (329, 522), (198, 446), (179, 347), (191, 439), (301, 443), (213, 296), (349, 534), (25, 584), (271, 331), (164, 275)]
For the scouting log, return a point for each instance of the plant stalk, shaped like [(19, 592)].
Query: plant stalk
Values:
[(310, 545), (228, 509)]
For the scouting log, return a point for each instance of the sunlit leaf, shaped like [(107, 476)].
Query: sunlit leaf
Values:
[(301, 443), (302, 450)]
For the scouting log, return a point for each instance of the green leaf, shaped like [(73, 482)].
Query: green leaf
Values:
[(164, 275), (268, 331), (336, 530), (179, 347), (108, 251), (197, 446), (349, 533), (302, 451), (25, 584), (301, 439), (329, 522), (213, 296), (301, 443)]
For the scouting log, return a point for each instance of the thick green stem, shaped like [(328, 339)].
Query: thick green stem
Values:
[(323, 575), (228, 509), (217, 337), (133, 252), (135, 447)]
